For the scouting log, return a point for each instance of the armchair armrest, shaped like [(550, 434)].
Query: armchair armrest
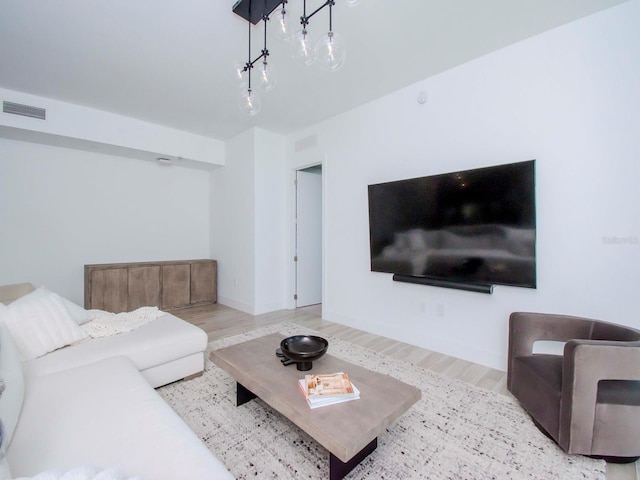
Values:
[(527, 328), (585, 363)]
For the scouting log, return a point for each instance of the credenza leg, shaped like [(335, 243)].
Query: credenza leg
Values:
[(243, 395), (339, 469)]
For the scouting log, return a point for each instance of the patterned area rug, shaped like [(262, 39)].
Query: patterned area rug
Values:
[(456, 431)]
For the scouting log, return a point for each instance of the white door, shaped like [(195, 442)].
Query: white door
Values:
[(309, 237)]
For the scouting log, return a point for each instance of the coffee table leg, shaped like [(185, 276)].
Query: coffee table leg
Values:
[(243, 395), (338, 469)]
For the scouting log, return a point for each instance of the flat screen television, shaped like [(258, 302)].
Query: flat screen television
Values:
[(474, 226)]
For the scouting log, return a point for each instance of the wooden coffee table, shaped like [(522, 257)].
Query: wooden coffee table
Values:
[(350, 430)]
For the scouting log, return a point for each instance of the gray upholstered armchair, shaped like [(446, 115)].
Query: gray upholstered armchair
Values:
[(588, 398)]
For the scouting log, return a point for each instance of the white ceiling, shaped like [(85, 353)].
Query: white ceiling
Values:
[(168, 61)]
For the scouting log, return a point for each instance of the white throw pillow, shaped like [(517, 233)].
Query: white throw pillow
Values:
[(77, 313), (41, 325)]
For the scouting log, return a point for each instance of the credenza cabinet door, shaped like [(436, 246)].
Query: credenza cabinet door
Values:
[(109, 290), (144, 286), (203, 282), (123, 287), (176, 286)]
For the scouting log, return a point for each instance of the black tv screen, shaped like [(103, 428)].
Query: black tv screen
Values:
[(474, 226)]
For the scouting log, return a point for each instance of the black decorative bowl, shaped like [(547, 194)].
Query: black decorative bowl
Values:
[(304, 349)]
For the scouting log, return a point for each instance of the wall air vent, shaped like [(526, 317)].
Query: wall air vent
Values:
[(24, 110), (305, 143)]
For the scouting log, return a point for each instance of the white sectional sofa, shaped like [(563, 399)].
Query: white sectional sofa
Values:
[(93, 402)]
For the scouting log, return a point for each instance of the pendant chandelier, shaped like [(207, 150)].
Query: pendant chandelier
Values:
[(328, 51)]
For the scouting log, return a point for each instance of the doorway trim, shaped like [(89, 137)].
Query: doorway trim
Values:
[(294, 239)]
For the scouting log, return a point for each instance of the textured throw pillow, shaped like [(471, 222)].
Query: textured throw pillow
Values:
[(41, 325), (79, 314)]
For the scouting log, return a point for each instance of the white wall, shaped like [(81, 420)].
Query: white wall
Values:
[(270, 222), (569, 98), (76, 126), (61, 209), (232, 223), (248, 234)]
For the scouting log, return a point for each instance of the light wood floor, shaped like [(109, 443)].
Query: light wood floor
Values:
[(220, 321)]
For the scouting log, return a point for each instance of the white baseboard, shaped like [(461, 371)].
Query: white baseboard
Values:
[(250, 308), (242, 306)]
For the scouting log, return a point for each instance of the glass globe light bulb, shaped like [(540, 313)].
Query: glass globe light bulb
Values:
[(352, 3), (303, 51), (282, 29), (249, 102), (238, 75), (331, 51), (266, 76)]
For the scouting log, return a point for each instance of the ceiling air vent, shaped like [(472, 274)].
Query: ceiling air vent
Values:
[(24, 110)]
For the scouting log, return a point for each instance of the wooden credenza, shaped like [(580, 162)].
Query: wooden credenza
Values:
[(122, 287)]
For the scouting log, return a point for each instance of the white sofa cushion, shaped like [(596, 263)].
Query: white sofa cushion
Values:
[(13, 389), (5, 472), (164, 340), (105, 413), (83, 472), (40, 325), (179, 369)]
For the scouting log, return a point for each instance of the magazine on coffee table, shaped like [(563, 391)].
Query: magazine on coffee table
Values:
[(327, 389)]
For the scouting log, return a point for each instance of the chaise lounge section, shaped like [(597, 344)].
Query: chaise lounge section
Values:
[(94, 403)]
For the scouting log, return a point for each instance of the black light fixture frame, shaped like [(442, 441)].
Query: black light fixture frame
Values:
[(264, 53), (304, 19), (254, 11)]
